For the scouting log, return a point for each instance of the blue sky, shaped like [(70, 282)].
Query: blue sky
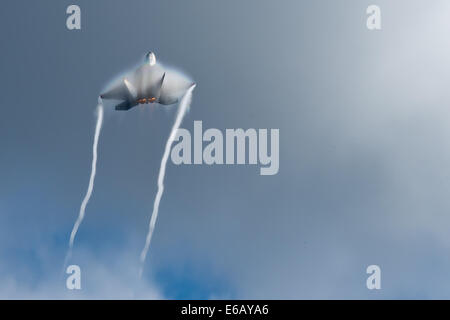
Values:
[(364, 160)]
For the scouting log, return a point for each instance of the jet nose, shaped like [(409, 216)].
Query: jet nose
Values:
[(150, 58)]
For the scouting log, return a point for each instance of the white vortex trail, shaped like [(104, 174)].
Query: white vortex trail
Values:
[(85, 201), (184, 105)]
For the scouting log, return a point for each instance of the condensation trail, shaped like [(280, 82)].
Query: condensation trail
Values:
[(85, 201), (184, 105)]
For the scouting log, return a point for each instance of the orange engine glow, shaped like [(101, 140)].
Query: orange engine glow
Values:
[(146, 100)]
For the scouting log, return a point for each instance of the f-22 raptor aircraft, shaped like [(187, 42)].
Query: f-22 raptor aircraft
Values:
[(150, 83)]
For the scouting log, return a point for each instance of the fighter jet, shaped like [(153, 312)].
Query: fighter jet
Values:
[(150, 83)]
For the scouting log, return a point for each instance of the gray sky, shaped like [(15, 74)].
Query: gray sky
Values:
[(364, 151)]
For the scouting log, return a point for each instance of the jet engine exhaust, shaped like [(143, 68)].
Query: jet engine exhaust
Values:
[(184, 105), (85, 201)]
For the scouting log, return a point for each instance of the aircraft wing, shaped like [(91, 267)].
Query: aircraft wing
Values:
[(126, 105), (124, 90), (118, 92)]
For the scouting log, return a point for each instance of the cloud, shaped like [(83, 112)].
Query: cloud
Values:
[(37, 274)]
